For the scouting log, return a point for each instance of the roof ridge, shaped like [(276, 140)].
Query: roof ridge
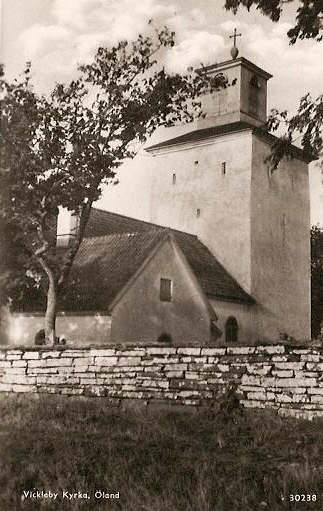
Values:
[(158, 226)]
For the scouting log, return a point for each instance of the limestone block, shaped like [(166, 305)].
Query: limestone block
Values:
[(37, 363), (131, 395), (253, 403), (83, 375), (213, 360), (31, 355), (213, 351), (86, 361), (305, 374), (175, 374), (186, 359), (201, 367), (5, 387), (155, 384), (13, 357), (312, 366), (223, 368), (50, 354), (71, 391), (23, 388), (5, 363), (284, 398), (270, 349), (81, 369), (129, 369), (317, 399), (295, 382), (128, 361), (259, 369), (19, 363), (295, 366), (87, 381), (190, 402), (315, 390), (19, 379), (175, 367), (280, 358), (188, 393), (127, 387), (42, 370), (94, 352), (301, 351), (136, 352), (310, 358), (282, 374), (189, 351), (58, 362), (14, 352), (76, 353), (250, 380), (106, 361), (161, 351), (301, 398), (300, 390), (16, 370), (191, 375), (3, 354), (243, 350), (261, 396)]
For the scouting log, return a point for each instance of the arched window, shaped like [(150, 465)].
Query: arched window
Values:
[(231, 330), (254, 86)]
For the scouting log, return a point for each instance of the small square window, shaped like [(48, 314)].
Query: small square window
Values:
[(174, 179), (198, 213), (196, 162), (165, 290), (223, 168)]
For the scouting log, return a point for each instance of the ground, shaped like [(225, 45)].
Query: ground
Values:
[(174, 460)]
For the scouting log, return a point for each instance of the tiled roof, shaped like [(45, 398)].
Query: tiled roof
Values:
[(217, 131), (104, 264), (197, 135)]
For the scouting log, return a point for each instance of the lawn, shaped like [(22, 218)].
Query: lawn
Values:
[(155, 460)]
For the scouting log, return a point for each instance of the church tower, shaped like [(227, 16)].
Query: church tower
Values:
[(214, 182)]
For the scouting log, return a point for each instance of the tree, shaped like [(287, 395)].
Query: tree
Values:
[(306, 124), (316, 280), (59, 150), (308, 19)]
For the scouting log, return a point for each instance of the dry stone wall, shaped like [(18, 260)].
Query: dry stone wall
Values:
[(286, 378)]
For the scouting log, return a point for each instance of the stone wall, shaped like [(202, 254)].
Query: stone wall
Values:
[(285, 378)]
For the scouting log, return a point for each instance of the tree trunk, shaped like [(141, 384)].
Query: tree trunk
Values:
[(50, 316)]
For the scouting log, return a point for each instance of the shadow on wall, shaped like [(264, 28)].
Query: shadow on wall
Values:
[(82, 328)]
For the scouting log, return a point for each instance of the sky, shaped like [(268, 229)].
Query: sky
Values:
[(57, 35)]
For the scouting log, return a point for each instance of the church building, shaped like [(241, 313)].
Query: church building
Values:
[(225, 255)]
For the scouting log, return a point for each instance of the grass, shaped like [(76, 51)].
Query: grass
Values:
[(229, 459)]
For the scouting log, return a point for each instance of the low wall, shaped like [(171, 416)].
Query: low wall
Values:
[(81, 328), (285, 378)]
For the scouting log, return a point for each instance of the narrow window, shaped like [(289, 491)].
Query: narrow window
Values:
[(198, 213), (196, 162), (231, 330), (223, 168), (165, 290), (174, 179)]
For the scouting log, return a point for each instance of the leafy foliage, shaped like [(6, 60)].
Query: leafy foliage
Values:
[(59, 150), (308, 19)]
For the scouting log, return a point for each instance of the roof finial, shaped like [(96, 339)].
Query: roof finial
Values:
[(234, 49)]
